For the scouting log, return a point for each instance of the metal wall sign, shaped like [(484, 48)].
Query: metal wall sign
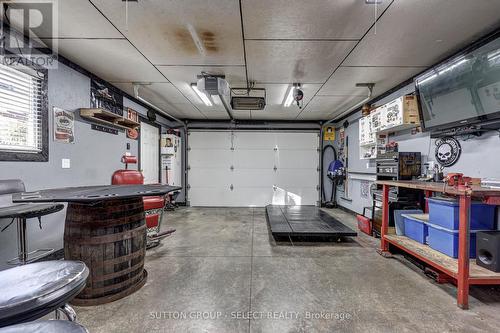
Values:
[(104, 129), (64, 125), (447, 151)]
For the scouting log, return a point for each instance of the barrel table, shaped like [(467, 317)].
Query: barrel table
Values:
[(105, 228)]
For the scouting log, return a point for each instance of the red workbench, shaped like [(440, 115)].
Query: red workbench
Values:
[(462, 271)]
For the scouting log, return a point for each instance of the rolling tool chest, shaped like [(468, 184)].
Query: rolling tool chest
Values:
[(395, 166)]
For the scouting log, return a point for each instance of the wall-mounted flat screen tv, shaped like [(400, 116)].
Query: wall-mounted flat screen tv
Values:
[(462, 90)]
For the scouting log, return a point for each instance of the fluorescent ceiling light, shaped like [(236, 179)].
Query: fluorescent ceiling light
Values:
[(289, 98), (204, 98), (196, 39)]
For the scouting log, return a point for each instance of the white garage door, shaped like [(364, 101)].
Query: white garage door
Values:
[(249, 168)]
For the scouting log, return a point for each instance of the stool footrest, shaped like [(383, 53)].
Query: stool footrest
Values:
[(31, 257)]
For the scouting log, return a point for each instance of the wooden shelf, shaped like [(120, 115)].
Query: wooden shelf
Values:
[(397, 128), (109, 118), (477, 274)]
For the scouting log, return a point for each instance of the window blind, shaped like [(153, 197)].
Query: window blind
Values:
[(20, 111)]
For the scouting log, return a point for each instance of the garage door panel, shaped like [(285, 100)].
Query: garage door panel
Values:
[(209, 158), (297, 141), (253, 178), (294, 196), (296, 177), (209, 177), (282, 140), (238, 197), (297, 158), (210, 140), (254, 141), (210, 196), (257, 158)]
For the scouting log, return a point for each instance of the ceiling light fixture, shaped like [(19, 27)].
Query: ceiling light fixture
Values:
[(204, 98), (289, 99), (196, 39)]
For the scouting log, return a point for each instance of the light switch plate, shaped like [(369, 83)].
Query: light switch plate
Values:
[(65, 163)]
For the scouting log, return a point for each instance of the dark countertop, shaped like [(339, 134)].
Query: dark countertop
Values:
[(93, 193), (29, 210)]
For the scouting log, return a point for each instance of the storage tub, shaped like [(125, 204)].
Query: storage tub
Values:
[(416, 227), (444, 212), (399, 220), (446, 241)]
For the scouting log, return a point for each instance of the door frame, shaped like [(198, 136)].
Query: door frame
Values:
[(158, 126)]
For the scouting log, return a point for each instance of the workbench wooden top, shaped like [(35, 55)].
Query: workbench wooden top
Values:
[(473, 190)]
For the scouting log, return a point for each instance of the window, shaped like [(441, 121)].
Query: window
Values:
[(23, 115)]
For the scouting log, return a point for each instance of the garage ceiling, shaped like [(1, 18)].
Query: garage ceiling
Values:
[(327, 45)]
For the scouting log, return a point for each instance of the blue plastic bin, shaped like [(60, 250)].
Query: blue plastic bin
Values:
[(444, 212), (446, 241), (416, 227), (399, 220)]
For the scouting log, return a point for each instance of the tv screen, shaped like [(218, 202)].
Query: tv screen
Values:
[(462, 90)]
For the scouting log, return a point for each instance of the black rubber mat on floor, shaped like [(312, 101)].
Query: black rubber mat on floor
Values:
[(304, 221)]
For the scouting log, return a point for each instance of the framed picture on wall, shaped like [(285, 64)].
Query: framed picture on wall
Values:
[(64, 125)]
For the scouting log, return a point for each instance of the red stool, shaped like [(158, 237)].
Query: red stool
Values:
[(153, 206)]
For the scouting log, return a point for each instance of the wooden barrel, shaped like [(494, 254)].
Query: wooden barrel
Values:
[(110, 237)]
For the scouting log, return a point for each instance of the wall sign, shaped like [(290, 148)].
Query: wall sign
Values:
[(104, 129), (64, 126), (365, 189), (132, 134), (447, 151), (329, 133)]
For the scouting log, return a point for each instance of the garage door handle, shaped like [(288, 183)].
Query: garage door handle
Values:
[(231, 187), (275, 168)]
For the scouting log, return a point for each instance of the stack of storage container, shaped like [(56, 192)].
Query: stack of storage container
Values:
[(439, 228)]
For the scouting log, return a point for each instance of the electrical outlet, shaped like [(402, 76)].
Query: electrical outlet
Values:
[(66, 163)]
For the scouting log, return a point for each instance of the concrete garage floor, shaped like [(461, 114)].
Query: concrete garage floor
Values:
[(222, 263)]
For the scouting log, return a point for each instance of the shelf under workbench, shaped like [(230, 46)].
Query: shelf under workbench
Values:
[(462, 270), (442, 262)]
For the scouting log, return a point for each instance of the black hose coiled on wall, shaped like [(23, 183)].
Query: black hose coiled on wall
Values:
[(323, 164)]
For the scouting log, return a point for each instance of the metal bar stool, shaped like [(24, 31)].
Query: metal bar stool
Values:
[(31, 291), (45, 326), (19, 213)]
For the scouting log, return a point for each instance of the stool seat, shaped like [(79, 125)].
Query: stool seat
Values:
[(153, 202), (31, 291), (46, 326)]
